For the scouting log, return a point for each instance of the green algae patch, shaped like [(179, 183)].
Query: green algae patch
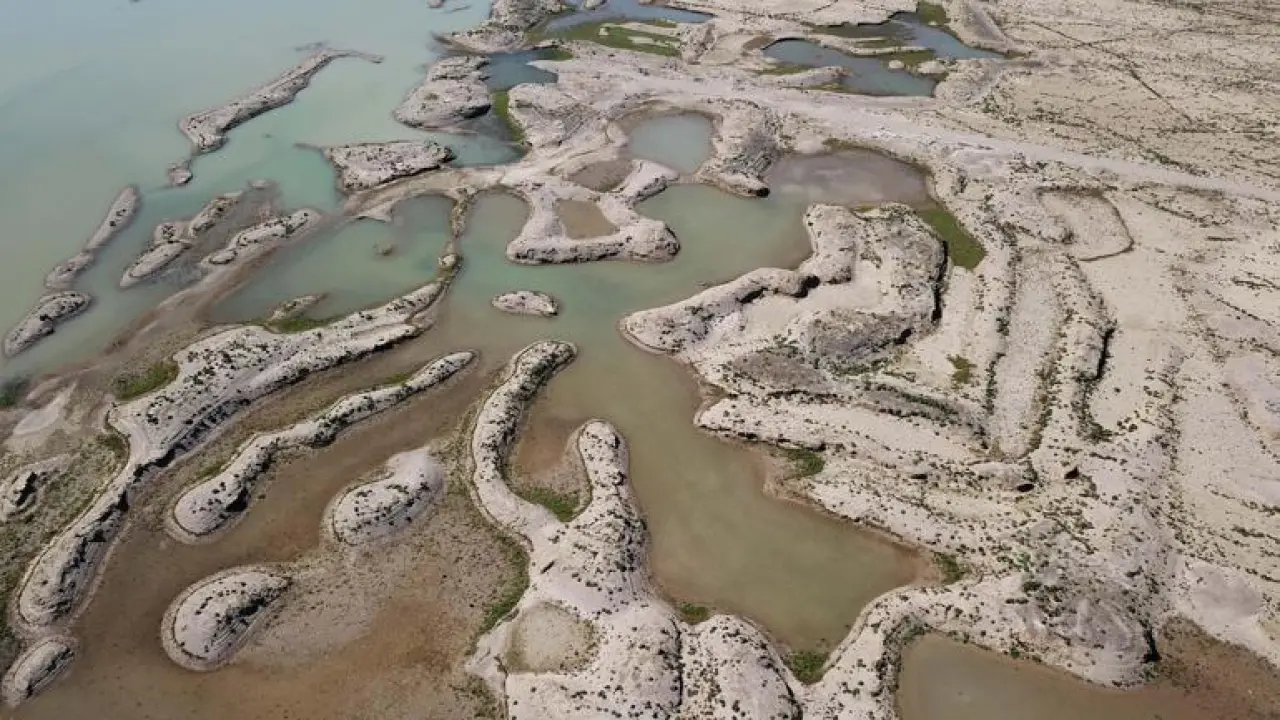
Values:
[(130, 385), (807, 665), (502, 109), (625, 38), (962, 370), (962, 248), (807, 462), (12, 391), (563, 505), (932, 14), (693, 613), (509, 596)]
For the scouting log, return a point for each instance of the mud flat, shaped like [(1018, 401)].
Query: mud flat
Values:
[(215, 503), (216, 378), (207, 130), (368, 165), (527, 302), (119, 216), (50, 311), (209, 621)]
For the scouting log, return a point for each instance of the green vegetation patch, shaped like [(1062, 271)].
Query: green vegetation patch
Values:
[(693, 613), (563, 505), (12, 391), (130, 385), (624, 38), (911, 59), (509, 596), (932, 13), (962, 374), (502, 109), (949, 566), (963, 249), (807, 462), (807, 665), (784, 69), (558, 54), (298, 323)]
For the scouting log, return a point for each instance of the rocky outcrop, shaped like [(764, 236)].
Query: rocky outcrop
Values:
[(207, 624), (20, 490), (212, 505), (50, 311), (745, 146), (369, 165), (119, 216), (207, 130), (218, 377), (413, 485), (296, 307), (252, 241), (527, 302), (453, 91), (173, 238), (37, 667), (508, 22)]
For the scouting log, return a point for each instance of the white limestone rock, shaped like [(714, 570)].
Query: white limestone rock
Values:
[(218, 377), (453, 91), (413, 486), (36, 668), (20, 490), (368, 165), (118, 218), (527, 302), (207, 130), (50, 311), (210, 621), (251, 241), (213, 504)]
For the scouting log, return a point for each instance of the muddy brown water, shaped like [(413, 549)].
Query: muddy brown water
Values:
[(718, 539)]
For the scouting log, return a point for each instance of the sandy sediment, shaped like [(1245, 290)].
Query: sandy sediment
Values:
[(251, 242), (207, 130), (413, 484), (119, 216), (453, 91), (217, 377), (213, 504), (49, 312), (210, 620), (367, 165), (37, 667), (20, 491), (527, 302)]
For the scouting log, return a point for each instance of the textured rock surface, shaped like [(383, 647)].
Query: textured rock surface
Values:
[(453, 91), (37, 667), (20, 490), (251, 241), (218, 376), (213, 504), (207, 130), (119, 216), (527, 302), (368, 165), (205, 626), (413, 485), (50, 311)]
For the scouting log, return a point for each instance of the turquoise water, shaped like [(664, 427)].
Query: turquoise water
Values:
[(624, 10), (681, 142), (506, 70), (90, 97), (866, 75), (910, 29)]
